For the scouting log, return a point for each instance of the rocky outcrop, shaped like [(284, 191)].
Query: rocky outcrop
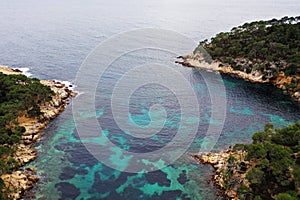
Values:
[(281, 81), (284, 82), (7, 70), (228, 176), (25, 154), (19, 182), (197, 60), (51, 109)]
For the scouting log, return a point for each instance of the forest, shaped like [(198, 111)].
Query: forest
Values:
[(275, 157), (19, 96), (271, 167), (266, 46)]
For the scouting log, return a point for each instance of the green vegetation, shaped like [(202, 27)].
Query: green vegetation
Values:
[(275, 158), (270, 52), (265, 46), (19, 96), (270, 49)]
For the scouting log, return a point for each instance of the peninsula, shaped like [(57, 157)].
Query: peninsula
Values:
[(26, 107), (261, 52)]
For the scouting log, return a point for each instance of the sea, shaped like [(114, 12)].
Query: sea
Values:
[(131, 131)]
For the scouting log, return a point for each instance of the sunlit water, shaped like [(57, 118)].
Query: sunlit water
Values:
[(52, 38)]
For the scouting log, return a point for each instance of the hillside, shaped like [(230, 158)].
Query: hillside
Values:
[(261, 51), (269, 168), (26, 107)]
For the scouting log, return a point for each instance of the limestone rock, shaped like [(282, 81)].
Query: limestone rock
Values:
[(281, 81), (219, 161), (19, 183)]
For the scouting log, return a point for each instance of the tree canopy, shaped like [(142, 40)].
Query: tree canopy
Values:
[(19, 96), (276, 157), (270, 46)]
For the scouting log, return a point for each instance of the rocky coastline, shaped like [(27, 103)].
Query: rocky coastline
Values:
[(197, 60), (22, 180), (228, 177)]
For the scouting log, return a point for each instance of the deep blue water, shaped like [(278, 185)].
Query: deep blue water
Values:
[(52, 39)]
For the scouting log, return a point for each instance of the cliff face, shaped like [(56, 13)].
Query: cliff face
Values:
[(288, 84), (22, 180)]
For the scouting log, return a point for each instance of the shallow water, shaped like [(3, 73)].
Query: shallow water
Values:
[(52, 38)]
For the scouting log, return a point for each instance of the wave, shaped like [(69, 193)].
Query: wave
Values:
[(24, 70), (68, 84)]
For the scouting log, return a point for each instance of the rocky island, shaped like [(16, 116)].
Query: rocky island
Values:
[(26, 107)]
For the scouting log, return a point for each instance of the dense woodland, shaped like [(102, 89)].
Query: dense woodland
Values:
[(266, 46), (269, 48), (19, 96), (276, 157)]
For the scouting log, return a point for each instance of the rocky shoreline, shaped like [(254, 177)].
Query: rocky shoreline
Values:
[(229, 176), (196, 60), (22, 180), (225, 172)]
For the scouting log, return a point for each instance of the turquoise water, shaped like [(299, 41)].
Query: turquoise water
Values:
[(52, 39), (78, 175)]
